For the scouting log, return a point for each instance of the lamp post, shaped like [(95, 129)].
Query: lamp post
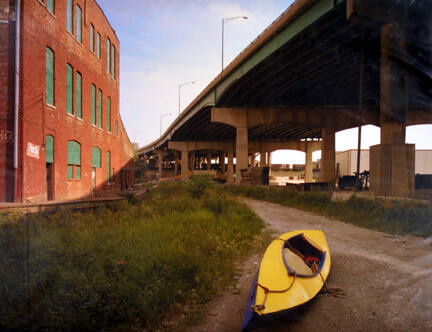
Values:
[(161, 116), (179, 87), (223, 23)]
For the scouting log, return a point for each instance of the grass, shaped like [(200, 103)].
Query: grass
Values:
[(390, 216), (127, 266)]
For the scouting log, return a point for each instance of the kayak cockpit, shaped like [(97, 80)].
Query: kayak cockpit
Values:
[(302, 257)]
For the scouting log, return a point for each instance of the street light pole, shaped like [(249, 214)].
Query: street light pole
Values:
[(181, 85), (161, 116), (223, 24)]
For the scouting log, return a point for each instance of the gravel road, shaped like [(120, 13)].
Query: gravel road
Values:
[(387, 280)]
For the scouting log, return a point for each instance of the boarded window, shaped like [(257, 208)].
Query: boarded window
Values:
[(49, 76), (78, 24), (78, 95), (98, 45), (99, 115), (93, 105), (74, 153), (113, 61), (92, 37), (69, 16), (108, 56), (74, 160), (69, 89), (96, 157), (108, 165), (49, 149), (50, 5), (108, 107)]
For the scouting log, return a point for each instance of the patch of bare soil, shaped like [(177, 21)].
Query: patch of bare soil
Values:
[(387, 280)]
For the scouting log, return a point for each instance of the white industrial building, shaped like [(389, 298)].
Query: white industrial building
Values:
[(347, 161)]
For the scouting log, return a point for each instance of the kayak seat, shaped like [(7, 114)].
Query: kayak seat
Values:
[(302, 257)]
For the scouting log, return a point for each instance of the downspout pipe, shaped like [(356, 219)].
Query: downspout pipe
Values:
[(17, 78)]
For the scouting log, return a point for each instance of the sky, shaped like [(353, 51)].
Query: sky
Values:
[(165, 43)]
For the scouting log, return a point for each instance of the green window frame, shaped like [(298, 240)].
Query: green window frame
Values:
[(78, 106), (98, 52), (116, 128), (96, 157), (49, 149), (92, 38), (74, 160), (108, 56), (69, 89), (79, 24), (108, 110), (49, 55), (99, 106), (69, 16), (50, 5), (108, 166), (93, 105), (113, 61)]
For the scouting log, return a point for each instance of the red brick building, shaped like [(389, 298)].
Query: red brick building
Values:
[(61, 135)]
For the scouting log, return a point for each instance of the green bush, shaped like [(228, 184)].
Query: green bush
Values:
[(198, 184), (122, 267)]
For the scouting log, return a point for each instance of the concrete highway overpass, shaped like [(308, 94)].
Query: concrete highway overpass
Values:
[(321, 67)]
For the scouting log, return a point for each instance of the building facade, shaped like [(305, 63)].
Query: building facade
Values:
[(61, 135)]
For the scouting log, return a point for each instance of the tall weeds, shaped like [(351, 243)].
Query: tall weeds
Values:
[(125, 266)]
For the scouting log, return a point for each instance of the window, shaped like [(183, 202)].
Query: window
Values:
[(96, 157), (69, 89), (112, 176), (108, 166), (74, 160), (98, 45), (116, 128), (78, 95), (78, 24), (50, 5), (93, 105), (108, 56), (69, 16), (113, 61), (49, 76), (49, 149), (92, 38), (99, 102), (108, 108)]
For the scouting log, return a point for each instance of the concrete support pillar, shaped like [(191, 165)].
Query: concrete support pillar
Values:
[(160, 155), (328, 157), (192, 160), (222, 162), (392, 163), (184, 165), (241, 151), (308, 163), (176, 165), (208, 161), (263, 159), (230, 168)]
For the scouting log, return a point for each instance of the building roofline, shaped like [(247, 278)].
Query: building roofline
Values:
[(106, 18)]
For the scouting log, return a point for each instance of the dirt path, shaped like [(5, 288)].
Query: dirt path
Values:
[(387, 279)]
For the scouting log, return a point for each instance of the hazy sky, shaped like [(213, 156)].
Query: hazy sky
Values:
[(164, 43)]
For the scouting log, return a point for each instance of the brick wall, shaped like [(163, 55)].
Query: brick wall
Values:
[(41, 29)]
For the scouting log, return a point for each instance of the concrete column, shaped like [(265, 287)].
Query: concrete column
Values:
[(230, 168), (176, 165), (241, 151), (328, 157), (308, 163), (263, 159), (222, 162), (192, 160), (392, 163), (160, 155), (208, 161), (184, 165)]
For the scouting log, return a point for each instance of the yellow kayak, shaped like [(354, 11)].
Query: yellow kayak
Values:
[(292, 272)]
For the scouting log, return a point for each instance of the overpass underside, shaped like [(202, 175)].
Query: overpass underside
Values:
[(361, 62)]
